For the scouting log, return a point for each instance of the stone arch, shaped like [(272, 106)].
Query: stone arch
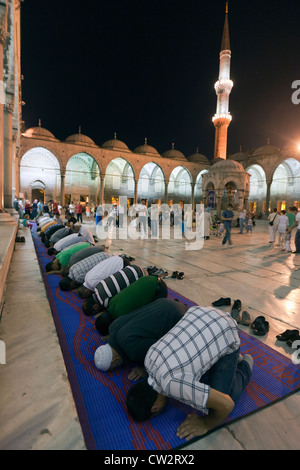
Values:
[(36, 164), (258, 184), (285, 187), (179, 188), (82, 178), (198, 187), (119, 180), (151, 184)]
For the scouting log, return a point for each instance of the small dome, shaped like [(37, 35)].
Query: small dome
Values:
[(39, 133), (266, 150), (80, 139), (114, 144), (147, 150), (239, 157), (174, 154), (227, 165), (197, 158), (216, 160)]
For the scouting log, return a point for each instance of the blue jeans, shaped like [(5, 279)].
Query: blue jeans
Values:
[(228, 376), (297, 240), (242, 220), (227, 236)]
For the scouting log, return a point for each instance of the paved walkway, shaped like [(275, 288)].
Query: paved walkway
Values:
[(36, 407)]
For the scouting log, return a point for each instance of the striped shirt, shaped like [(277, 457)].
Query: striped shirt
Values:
[(79, 270), (51, 230), (115, 283), (102, 271), (177, 361)]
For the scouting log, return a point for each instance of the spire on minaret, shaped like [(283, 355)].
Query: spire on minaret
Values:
[(223, 87), (225, 46)]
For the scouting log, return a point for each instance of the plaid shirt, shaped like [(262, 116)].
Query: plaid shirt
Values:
[(79, 270), (177, 361)]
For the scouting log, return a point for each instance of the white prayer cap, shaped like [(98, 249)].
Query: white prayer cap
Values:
[(103, 357)]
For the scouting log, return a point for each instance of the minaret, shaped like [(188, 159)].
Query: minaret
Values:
[(223, 87)]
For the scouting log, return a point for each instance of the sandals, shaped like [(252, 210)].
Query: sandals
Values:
[(260, 326)]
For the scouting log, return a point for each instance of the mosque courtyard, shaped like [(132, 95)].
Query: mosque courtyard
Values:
[(36, 404)]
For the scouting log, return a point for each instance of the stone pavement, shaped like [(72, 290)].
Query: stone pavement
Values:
[(36, 406)]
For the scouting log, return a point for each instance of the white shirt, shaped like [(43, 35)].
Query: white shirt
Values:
[(103, 270), (242, 214), (298, 220), (142, 210), (282, 223), (84, 231), (69, 240), (177, 361)]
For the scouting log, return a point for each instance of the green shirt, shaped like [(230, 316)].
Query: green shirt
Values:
[(138, 294), (64, 256), (291, 218)]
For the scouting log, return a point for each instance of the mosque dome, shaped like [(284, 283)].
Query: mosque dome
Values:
[(227, 165), (80, 139), (216, 160), (115, 144), (197, 158), (147, 150), (239, 157), (39, 133), (174, 154), (266, 150)]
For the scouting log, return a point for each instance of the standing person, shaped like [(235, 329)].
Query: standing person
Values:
[(291, 214), (78, 212), (249, 225), (197, 363), (227, 217), (87, 211), (71, 208), (296, 224), (27, 208), (120, 214), (242, 218), (154, 220), (40, 207), (16, 204), (99, 215), (55, 210), (142, 217), (282, 226), (207, 223), (272, 225)]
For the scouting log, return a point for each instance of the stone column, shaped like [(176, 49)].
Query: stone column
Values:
[(7, 153), (3, 32), (241, 198), (136, 183), (193, 195), (102, 190), (166, 191), (268, 196), (62, 187), (219, 202)]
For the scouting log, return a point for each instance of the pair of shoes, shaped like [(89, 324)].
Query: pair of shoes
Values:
[(236, 310), (291, 340), (159, 273), (221, 302), (151, 269), (288, 335), (260, 326), (20, 239), (177, 275)]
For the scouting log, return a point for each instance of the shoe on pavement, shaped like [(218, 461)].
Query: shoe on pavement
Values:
[(222, 302)]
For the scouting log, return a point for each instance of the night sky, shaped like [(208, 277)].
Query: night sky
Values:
[(147, 68)]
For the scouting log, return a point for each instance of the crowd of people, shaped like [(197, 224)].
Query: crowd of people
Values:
[(282, 225), (140, 324)]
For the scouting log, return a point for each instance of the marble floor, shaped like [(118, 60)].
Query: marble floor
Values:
[(36, 405)]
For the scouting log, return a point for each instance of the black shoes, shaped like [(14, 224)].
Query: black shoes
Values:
[(222, 302), (236, 309)]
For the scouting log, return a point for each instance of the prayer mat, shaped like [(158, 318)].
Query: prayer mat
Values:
[(100, 397)]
